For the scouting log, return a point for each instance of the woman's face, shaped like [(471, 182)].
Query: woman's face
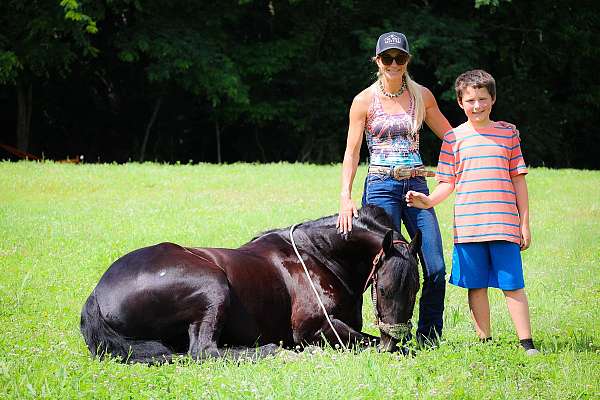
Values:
[(392, 64)]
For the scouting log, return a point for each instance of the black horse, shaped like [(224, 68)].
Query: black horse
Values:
[(167, 299)]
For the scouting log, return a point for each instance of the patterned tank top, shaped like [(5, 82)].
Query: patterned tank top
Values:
[(389, 138)]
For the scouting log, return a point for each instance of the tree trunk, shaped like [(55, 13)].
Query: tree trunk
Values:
[(218, 133), (157, 105), (24, 107), (261, 149)]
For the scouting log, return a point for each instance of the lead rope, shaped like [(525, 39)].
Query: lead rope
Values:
[(314, 288)]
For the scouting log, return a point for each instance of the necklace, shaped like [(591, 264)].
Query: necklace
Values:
[(392, 95)]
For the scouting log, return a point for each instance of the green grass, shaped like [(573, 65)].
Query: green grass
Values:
[(61, 226)]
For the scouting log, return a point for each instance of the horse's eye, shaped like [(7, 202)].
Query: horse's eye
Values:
[(382, 292)]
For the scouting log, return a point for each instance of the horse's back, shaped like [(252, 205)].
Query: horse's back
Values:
[(158, 290)]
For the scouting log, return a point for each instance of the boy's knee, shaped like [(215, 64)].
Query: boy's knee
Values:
[(476, 291), (515, 293)]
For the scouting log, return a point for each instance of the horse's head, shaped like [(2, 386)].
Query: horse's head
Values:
[(394, 288)]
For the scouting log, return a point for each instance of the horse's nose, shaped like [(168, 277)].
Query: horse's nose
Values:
[(387, 345)]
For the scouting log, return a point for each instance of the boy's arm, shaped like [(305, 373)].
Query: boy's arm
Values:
[(439, 194), (522, 194)]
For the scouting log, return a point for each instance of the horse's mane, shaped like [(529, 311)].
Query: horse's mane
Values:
[(370, 217)]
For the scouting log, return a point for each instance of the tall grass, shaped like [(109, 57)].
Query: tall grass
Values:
[(61, 226)]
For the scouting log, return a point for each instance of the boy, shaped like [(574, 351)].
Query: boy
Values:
[(483, 161)]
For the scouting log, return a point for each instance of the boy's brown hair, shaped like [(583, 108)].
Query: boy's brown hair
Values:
[(476, 78)]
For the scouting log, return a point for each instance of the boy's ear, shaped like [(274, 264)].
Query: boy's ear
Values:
[(459, 101)]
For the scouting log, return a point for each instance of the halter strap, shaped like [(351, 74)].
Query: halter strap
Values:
[(397, 331), (376, 261)]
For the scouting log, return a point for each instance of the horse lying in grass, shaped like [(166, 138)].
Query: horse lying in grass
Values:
[(166, 299)]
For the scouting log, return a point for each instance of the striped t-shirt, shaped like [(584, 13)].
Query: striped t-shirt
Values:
[(480, 163)]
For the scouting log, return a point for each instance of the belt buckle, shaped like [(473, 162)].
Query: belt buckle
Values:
[(400, 174), (392, 172)]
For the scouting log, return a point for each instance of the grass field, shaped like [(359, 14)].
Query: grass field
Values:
[(62, 225)]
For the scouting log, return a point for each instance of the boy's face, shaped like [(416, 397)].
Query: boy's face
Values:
[(477, 104)]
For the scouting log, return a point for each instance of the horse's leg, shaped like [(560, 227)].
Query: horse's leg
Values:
[(202, 333), (348, 335), (201, 346), (211, 311), (250, 353), (370, 340), (205, 331)]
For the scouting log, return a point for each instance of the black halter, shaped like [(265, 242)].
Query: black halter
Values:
[(397, 331)]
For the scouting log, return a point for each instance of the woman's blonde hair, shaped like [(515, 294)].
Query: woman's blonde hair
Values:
[(414, 89)]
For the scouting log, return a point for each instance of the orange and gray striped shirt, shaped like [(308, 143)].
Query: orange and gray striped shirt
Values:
[(480, 164)]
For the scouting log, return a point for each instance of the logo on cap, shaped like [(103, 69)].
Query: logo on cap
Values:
[(392, 39)]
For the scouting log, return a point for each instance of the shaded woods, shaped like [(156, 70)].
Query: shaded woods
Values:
[(266, 81)]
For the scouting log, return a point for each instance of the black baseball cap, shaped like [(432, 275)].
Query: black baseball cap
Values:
[(391, 40)]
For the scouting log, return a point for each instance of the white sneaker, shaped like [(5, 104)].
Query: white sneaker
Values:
[(532, 352)]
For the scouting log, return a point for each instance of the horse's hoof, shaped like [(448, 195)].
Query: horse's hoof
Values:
[(287, 355), (313, 350)]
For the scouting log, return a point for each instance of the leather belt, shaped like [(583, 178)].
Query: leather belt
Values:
[(400, 173)]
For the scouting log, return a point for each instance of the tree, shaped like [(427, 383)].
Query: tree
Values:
[(38, 40), (182, 45)]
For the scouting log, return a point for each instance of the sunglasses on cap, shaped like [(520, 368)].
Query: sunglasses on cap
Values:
[(400, 59)]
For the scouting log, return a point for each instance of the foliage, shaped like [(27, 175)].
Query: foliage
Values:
[(37, 41), (62, 225), (277, 77)]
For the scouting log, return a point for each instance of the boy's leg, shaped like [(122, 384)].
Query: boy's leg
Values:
[(480, 311), (518, 307), (509, 275)]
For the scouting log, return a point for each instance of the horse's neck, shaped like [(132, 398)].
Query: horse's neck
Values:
[(351, 259)]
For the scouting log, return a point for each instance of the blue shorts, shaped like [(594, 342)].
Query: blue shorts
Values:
[(487, 264)]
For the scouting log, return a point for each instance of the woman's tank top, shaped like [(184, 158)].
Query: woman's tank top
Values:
[(389, 136)]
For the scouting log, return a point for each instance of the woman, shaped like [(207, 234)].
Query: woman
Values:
[(390, 112)]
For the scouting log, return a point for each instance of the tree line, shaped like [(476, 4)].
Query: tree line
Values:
[(244, 80)]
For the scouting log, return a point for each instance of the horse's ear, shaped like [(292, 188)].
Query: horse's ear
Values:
[(415, 244), (388, 242)]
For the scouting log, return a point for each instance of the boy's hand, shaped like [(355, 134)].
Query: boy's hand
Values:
[(417, 199), (525, 237)]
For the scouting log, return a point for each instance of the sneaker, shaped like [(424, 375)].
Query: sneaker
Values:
[(532, 352)]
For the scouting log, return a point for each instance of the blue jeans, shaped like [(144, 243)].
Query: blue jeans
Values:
[(389, 194)]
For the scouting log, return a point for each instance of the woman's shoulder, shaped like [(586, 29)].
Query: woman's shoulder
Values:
[(366, 94), (426, 93), (364, 98)]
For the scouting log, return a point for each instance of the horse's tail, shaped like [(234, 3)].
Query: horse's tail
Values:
[(102, 339)]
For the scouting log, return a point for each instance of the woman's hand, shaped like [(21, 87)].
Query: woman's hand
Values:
[(417, 199), (347, 211), (511, 126)]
